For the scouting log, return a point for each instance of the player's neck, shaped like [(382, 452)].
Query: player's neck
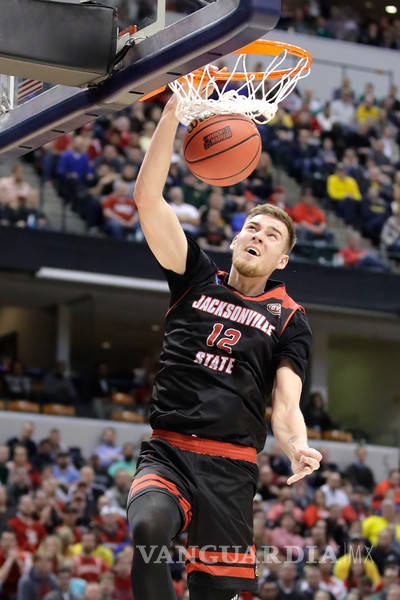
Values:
[(249, 286)]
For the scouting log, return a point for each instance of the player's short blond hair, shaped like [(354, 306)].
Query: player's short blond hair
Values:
[(281, 215)]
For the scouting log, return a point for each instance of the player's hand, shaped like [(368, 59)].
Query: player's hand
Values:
[(304, 462)]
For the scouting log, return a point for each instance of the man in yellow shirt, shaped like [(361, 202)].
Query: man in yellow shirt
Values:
[(367, 112), (356, 554), (345, 196), (375, 523)]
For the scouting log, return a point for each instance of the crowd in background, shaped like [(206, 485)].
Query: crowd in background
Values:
[(340, 20), (343, 151), (64, 536)]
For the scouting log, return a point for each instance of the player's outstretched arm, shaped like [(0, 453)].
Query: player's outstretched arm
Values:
[(159, 223), (288, 423)]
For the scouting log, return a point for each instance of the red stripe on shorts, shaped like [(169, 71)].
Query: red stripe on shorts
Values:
[(222, 570), (206, 446), (153, 480)]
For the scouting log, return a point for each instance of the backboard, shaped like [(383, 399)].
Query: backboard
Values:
[(172, 39)]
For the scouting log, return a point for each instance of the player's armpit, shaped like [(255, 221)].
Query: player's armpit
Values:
[(164, 234)]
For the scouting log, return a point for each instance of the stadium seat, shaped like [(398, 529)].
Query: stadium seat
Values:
[(59, 409), (128, 416), (2, 405), (124, 399), (313, 434), (23, 406), (337, 436)]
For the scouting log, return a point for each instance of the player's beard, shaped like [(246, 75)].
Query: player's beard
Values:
[(247, 269)]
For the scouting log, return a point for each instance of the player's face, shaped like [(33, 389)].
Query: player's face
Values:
[(260, 247)]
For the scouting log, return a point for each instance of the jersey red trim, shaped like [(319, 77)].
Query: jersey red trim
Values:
[(179, 299), (206, 446)]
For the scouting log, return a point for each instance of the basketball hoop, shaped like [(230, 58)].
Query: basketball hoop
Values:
[(254, 98)]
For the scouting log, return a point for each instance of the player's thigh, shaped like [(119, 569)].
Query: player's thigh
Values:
[(154, 518)]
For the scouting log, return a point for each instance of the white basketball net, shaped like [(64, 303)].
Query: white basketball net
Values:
[(254, 98)]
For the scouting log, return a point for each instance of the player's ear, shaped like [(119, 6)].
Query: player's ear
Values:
[(283, 261), (233, 242)]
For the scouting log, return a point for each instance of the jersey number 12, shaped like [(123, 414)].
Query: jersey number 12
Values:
[(231, 337)]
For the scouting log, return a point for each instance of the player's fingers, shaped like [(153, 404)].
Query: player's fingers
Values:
[(312, 452), (299, 475), (311, 462)]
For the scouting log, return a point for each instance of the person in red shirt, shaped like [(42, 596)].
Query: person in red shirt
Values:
[(355, 256), (393, 482), (120, 213), (87, 566), (357, 510), (316, 511), (29, 533), (310, 220), (122, 578), (13, 563)]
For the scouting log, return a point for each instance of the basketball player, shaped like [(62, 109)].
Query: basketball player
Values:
[(230, 340)]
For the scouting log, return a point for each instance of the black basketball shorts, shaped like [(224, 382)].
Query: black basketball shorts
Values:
[(213, 484)]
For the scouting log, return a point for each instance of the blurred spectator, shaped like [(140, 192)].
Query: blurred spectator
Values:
[(315, 415), (122, 579), (391, 483), (390, 236), (55, 442), (317, 510), (344, 194), (266, 488), (367, 111), (19, 484), (127, 463), (120, 213), (28, 531), (311, 583), (27, 214), (329, 582), (14, 188), (109, 157), (107, 585), (39, 581), (211, 235), (358, 508), (359, 473), (345, 87), (113, 528), (333, 492), (108, 451), (118, 493), (63, 470), (24, 439), (354, 562), (382, 552), (63, 592), (284, 536), (287, 582), (310, 220), (58, 387), (342, 110), (13, 564), (354, 256), (375, 523), (375, 210), (187, 214), (87, 566), (74, 171)]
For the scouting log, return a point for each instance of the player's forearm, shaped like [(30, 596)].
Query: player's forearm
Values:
[(289, 428), (154, 170)]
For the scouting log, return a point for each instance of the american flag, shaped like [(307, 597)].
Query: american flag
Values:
[(28, 87)]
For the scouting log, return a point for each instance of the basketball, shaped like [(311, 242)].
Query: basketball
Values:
[(223, 149)]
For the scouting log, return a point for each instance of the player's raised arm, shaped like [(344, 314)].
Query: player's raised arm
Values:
[(288, 423), (159, 223)]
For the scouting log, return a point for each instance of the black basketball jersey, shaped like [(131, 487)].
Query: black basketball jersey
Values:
[(220, 353)]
